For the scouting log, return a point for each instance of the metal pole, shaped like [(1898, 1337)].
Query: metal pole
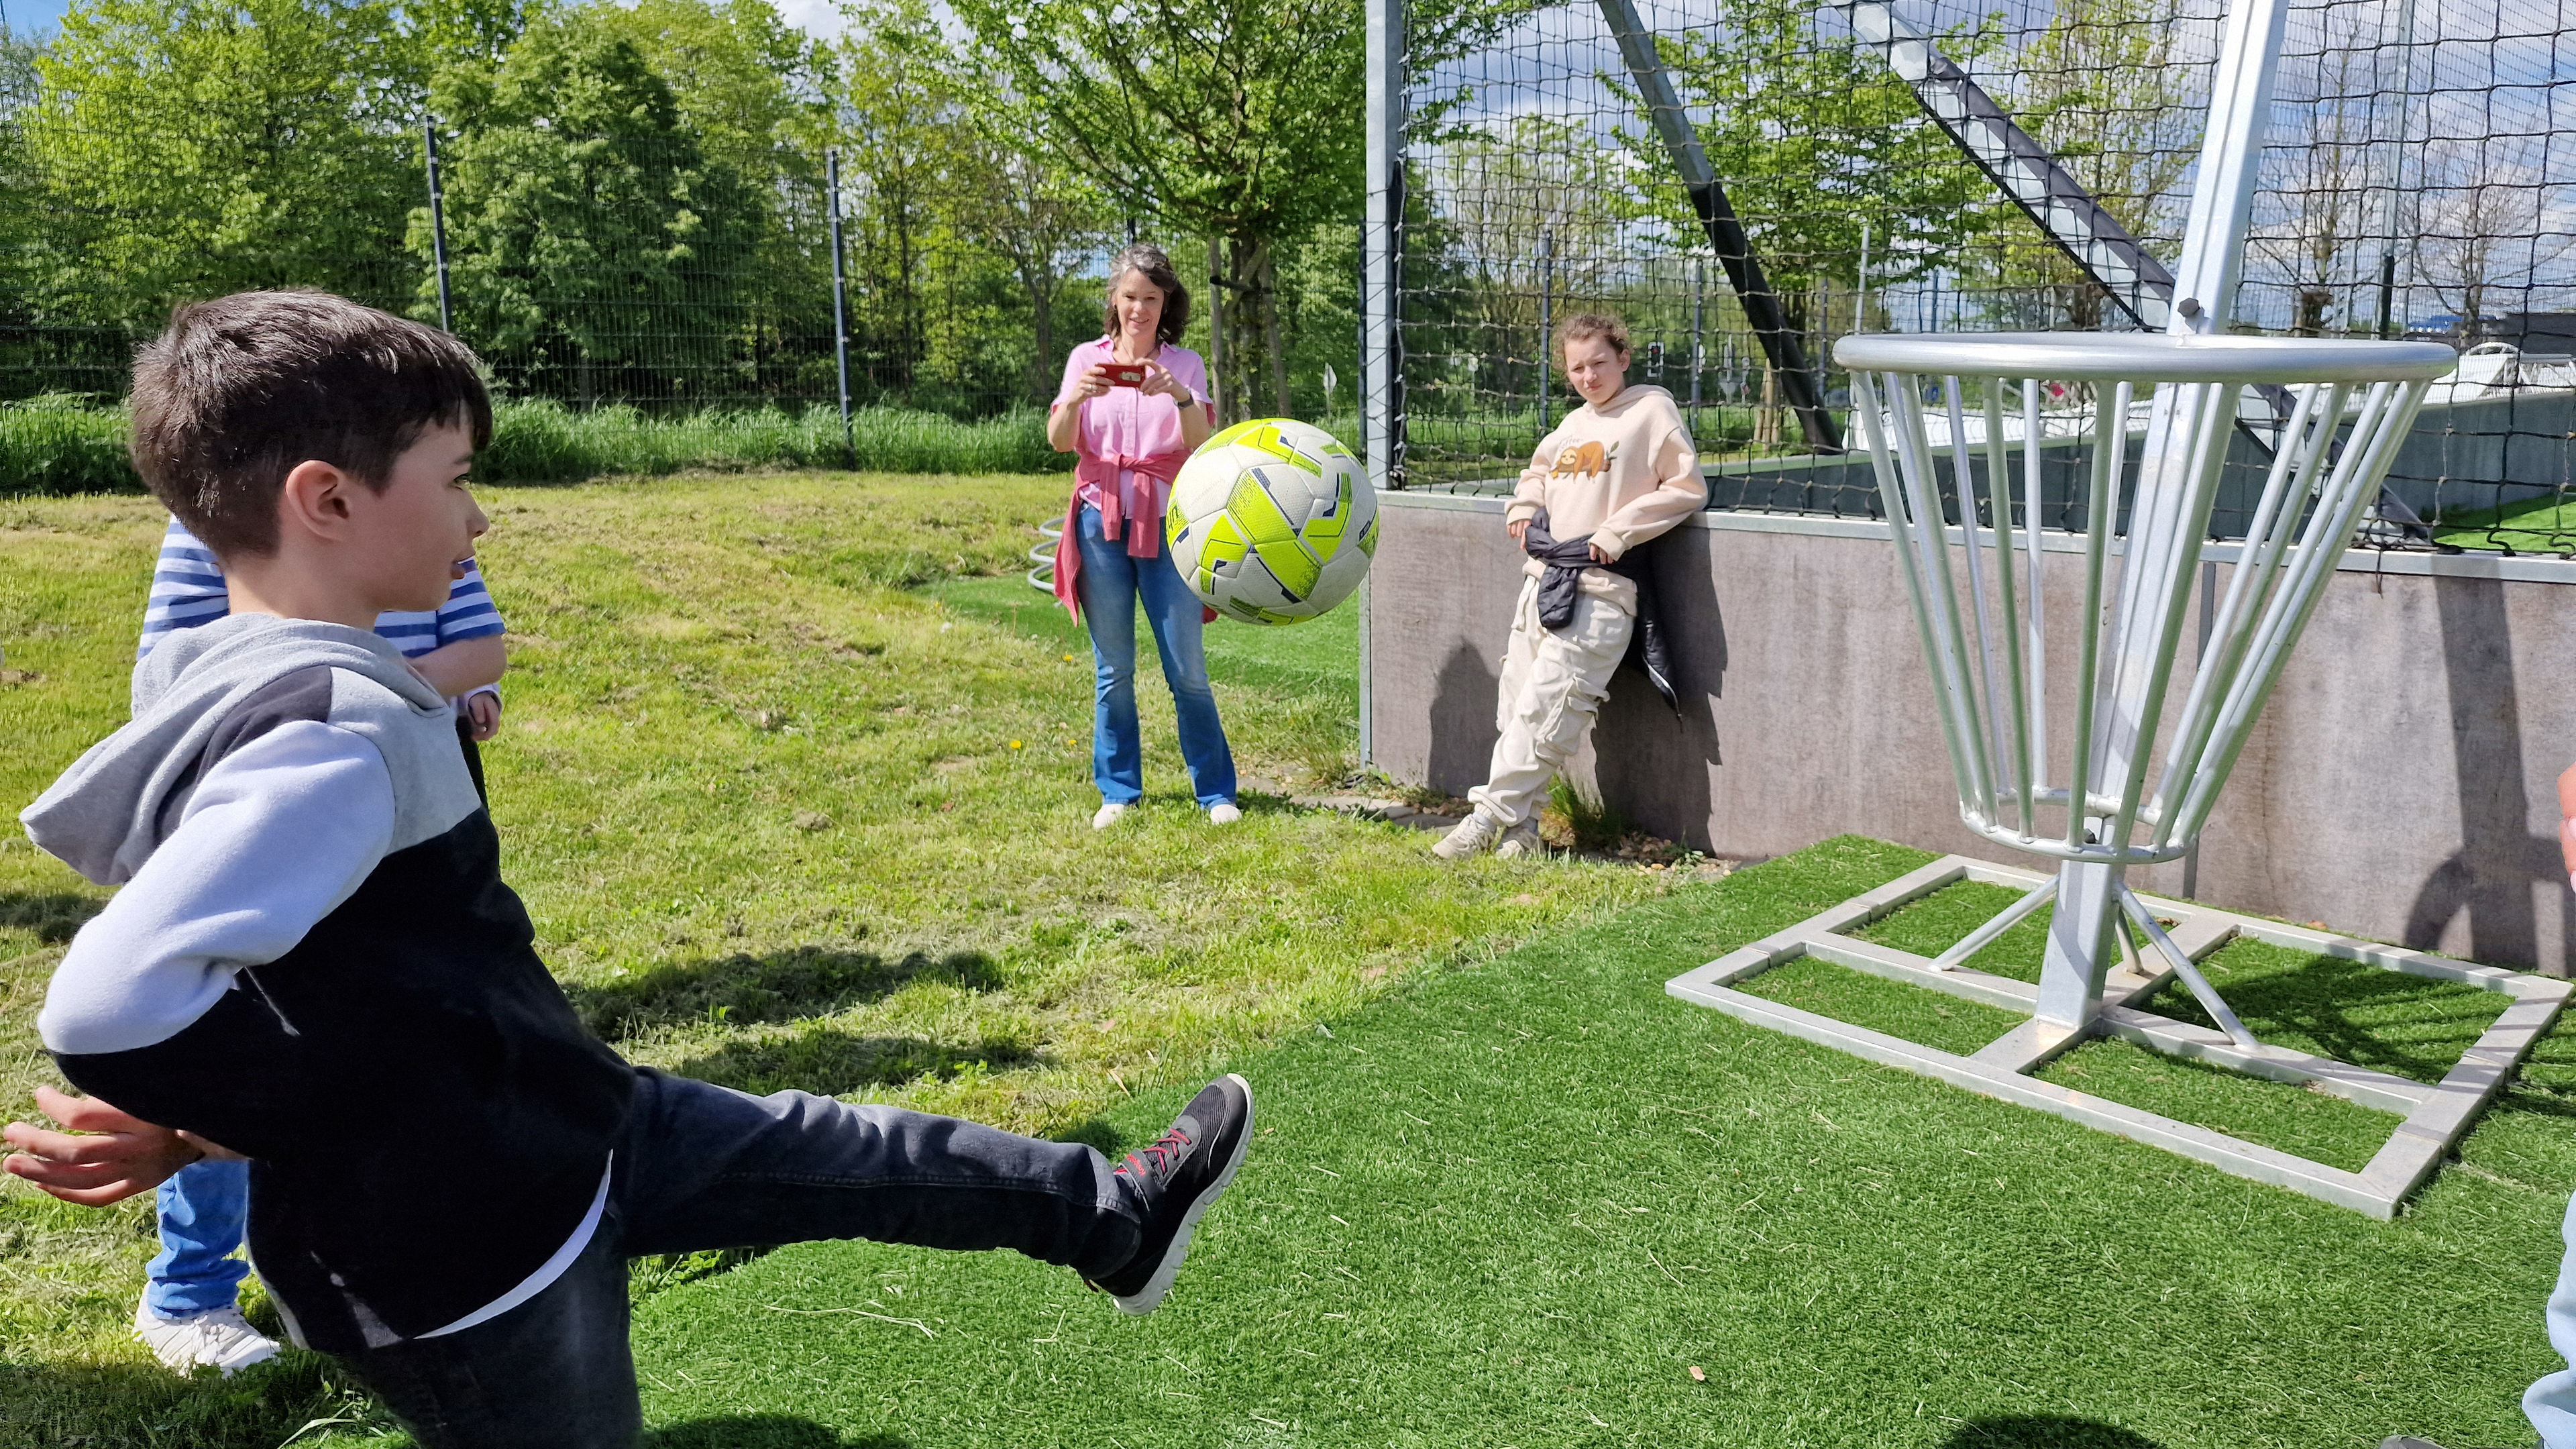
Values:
[(1546, 288), (1381, 301), (2395, 153), (1216, 329), (2147, 617), (840, 308), (438, 227), (1699, 310)]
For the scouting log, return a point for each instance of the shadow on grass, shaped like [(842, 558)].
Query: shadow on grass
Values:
[(2044, 1431), (2408, 1026), (52, 915), (831, 1062), (746, 990), (762, 1431)]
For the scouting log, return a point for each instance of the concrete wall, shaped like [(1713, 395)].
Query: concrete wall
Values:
[(2400, 785)]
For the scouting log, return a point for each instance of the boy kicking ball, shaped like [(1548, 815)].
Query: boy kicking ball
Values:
[(1619, 471), (315, 965)]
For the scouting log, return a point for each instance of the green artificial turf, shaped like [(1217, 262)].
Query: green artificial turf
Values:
[(2545, 525), (1517, 1204)]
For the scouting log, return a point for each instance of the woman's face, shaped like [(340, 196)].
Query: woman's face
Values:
[(1139, 305)]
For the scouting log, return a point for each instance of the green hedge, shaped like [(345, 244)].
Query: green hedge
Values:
[(57, 445)]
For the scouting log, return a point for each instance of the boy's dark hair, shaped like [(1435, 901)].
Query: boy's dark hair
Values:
[(241, 389), (1149, 260)]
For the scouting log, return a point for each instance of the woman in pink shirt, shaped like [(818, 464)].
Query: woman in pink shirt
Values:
[(1133, 406)]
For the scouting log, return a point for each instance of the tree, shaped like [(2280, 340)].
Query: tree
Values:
[(1814, 139), (2100, 85), (186, 149), (2484, 225), (1239, 121), (756, 94), (1037, 213), (590, 234)]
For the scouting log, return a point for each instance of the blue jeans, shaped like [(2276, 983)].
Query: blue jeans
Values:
[(707, 1167), (1111, 583), (203, 1208), (2551, 1403)]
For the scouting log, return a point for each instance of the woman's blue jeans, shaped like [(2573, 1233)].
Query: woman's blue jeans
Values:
[(1110, 585), (203, 1209)]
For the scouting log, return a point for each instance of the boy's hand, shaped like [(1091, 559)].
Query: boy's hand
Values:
[(483, 712), (116, 1157)]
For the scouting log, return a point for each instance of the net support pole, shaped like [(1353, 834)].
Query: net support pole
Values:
[(840, 308), (1782, 347), (1546, 321), (438, 226), (2148, 615), (1381, 293)]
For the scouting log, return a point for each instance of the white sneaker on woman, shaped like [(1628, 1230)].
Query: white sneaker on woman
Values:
[(1223, 813), (1107, 815), (218, 1337)]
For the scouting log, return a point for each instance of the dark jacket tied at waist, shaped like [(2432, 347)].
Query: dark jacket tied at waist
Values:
[(1648, 645)]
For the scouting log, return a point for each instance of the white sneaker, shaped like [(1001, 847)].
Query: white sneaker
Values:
[(1467, 837), (217, 1338), (1521, 842), (1223, 814), (1107, 815)]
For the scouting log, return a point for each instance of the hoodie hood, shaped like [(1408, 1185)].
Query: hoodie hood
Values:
[(106, 815)]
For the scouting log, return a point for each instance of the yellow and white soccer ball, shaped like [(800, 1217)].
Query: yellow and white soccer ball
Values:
[(1272, 522)]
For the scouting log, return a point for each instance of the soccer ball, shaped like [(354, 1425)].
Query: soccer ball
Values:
[(1271, 522)]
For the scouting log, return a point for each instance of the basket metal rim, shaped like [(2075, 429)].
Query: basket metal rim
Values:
[(2144, 357)]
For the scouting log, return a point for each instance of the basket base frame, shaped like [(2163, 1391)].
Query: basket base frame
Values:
[(2432, 1117)]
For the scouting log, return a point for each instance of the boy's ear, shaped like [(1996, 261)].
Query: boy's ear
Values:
[(313, 502)]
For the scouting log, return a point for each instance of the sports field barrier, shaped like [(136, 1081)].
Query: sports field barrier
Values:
[(2397, 787)]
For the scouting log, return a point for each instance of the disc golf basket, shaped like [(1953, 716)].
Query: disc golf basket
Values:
[(2081, 755)]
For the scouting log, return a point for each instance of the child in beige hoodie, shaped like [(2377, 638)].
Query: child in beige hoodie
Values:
[(1620, 470)]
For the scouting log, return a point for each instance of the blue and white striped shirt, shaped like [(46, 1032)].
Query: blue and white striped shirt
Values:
[(188, 590)]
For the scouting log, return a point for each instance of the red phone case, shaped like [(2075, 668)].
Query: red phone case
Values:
[(1125, 374)]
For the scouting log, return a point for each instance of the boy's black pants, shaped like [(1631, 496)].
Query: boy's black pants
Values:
[(703, 1167)]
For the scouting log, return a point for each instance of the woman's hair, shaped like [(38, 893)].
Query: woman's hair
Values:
[(1148, 259), (1584, 326)]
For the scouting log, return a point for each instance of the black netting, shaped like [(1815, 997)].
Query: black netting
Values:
[(2413, 183)]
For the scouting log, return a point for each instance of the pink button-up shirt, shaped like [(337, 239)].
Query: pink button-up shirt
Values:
[(1129, 445)]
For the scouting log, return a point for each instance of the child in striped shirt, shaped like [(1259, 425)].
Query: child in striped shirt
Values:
[(189, 1315)]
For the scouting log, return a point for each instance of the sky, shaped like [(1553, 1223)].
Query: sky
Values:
[(31, 15)]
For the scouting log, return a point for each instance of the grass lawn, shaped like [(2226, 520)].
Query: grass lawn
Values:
[(794, 798), (2545, 525), (1519, 1204), (1508, 1193)]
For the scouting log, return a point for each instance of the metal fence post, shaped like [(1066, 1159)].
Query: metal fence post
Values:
[(1381, 302), (1546, 287), (840, 307), (1699, 361), (438, 227)]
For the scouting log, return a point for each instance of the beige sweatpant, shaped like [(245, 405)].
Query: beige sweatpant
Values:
[(1553, 683)]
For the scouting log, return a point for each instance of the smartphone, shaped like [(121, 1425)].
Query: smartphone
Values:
[(1124, 374)]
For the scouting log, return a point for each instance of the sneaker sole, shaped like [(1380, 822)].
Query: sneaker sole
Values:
[(1144, 1300)]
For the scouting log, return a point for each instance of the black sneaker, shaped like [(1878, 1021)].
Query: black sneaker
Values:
[(1176, 1177)]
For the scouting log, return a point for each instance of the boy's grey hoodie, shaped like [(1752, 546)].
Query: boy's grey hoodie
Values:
[(314, 962)]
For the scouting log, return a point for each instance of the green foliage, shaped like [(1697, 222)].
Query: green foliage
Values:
[(578, 205), (57, 446), (1815, 138)]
